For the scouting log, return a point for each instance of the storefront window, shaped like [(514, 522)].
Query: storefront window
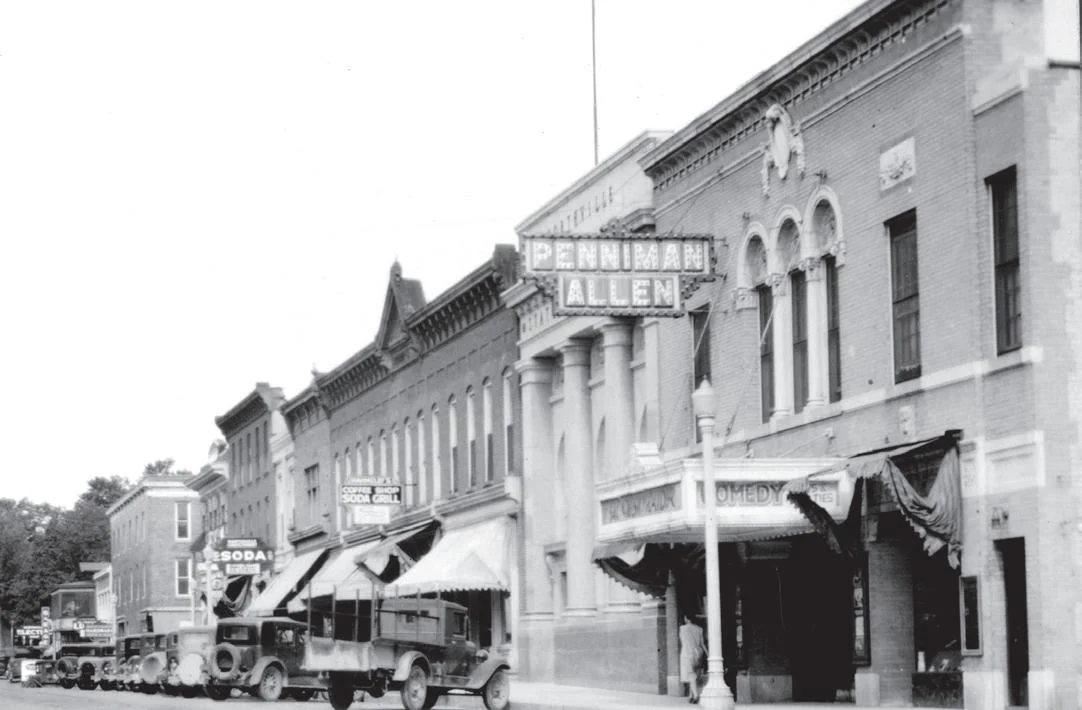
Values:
[(936, 615)]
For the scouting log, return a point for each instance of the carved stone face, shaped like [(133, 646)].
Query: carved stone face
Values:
[(780, 147)]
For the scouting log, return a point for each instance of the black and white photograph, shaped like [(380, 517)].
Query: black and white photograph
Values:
[(541, 354)]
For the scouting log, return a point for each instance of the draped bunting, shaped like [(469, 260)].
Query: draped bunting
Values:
[(935, 514)]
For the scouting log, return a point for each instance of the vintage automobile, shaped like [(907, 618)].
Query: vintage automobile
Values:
[(419, 647), (261, 656), (80, 664), (15, 660), (146, 672), (187, 654), (116, 676)]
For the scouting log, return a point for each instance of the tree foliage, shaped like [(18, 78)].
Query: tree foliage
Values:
[(42, 545), (163, 467)]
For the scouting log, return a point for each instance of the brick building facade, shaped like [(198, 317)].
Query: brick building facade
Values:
[(152, 528), (431, 405)]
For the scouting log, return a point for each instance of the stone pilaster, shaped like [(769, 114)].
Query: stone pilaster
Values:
[(537, 481), (579, 486)]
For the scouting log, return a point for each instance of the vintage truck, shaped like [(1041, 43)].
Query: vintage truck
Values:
[(419, 647), (115, 675), (80, 664), (261, 656)]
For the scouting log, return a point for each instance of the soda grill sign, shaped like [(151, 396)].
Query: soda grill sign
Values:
[(235, 556), (619, 273), (371, 501)]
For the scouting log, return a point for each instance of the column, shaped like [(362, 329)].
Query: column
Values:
[(619, 396), (816, 289), (782, 325), (579, 489), (536, 436)]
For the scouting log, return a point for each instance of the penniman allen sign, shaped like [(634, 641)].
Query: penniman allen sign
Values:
[(619, 273)]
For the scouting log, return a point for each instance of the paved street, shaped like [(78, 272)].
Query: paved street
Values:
[(14, 697)]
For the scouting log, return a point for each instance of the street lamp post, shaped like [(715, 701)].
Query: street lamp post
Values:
[(716, 694)]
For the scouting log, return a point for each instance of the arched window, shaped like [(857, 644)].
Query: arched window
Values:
[(396, 459), (350, 473), (452, 436), (755, 267), (508, 423), (371, 458), (408, 480), (486, 425), (790, 265), (472, 461), (422, 460), (437, 462), (383, 453)]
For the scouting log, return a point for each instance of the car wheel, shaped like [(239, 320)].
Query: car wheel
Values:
[(67, 684), (188, 691), (432, 698), (497, 691), (149, 689), (379, 686), (217, 692), (271, 684), (415, 688), (302, 695), (340, 691)]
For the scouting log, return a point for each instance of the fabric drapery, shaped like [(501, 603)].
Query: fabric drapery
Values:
[(923, 478)]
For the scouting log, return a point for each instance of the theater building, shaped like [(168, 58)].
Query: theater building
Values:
[(428, 408), (590, 388), (895, 208)]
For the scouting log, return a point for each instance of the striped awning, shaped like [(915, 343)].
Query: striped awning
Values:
[(472, 558)]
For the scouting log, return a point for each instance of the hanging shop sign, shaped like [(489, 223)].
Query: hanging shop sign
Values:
[(619, 273), (29, 635), (93, 629), (234, 556), (371, 501)]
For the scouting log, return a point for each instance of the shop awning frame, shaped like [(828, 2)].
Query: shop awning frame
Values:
[(476, 557), (281, 588), (341, 576)]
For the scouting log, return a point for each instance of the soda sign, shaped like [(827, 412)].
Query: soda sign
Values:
[(242, 555)]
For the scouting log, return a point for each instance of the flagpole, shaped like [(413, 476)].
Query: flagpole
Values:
[(593, 67)]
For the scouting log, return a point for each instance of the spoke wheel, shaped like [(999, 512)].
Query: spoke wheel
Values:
[(415, 688), (497, 691), (271, 684)]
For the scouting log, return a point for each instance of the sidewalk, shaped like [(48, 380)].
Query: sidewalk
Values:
[(549, 696)]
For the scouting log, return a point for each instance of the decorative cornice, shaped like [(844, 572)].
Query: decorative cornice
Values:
[(306, 533), (862, 35), (262, 400), (148, 484)]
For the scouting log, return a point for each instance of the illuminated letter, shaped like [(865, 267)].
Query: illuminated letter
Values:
[(595, 291), (574, 296), (640, 292), (646, 257), (618, 292), (542, 255), (587, 256), (565, 256), (671, 259), (664, 293), (693, 257), (610, 256)]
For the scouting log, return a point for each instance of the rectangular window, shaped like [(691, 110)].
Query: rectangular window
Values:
[(248, 455), (905, 296), (799, 302), (486, 429), (258, 453), (183, 580), (700, 344), (834, 343), (183, 510), (766, 350), (1003, 188), (508, 425)]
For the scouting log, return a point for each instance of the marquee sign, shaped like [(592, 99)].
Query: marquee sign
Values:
[(619, 273), (235, 556)]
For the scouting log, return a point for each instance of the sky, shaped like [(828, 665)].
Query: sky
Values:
[(196, 196)]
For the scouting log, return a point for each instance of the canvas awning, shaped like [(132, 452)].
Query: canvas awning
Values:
[(472, 558), (281, 587), (341, 576)]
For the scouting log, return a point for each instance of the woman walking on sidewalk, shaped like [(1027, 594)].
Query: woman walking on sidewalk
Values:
[(692, 656)]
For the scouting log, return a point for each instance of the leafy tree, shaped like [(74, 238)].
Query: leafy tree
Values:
[(163, 467), (103, 492)]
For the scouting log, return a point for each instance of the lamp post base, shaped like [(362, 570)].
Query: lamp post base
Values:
[(716, 694)]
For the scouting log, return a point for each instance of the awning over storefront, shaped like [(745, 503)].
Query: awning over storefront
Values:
[(406, 545), (282, 586), (923, 478), (640, 567), (476, 557), (341, 576)]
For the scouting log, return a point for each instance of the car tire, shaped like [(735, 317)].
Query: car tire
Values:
[(187, 691), (340, 691), (415, 688), (302, 695), (271, 683), (66, 683), (432, 698), (497, 691), (233, 654), (217, 692)]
